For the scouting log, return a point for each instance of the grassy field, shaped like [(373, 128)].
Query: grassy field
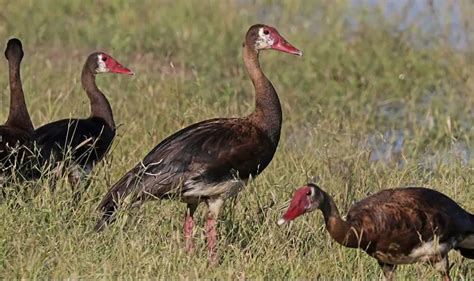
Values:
[(370, 105)]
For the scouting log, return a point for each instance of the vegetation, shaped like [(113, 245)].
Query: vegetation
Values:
[(370, 105)]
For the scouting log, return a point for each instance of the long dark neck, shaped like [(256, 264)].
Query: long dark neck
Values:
[(267, 115), (100, 106), (18, 115), (340, 230)]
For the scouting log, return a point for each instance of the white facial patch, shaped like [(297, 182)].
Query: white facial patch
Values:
[(264, 41), (102, 67)]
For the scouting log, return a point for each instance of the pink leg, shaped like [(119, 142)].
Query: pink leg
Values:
[(214, 206), (442, 265), (188, 228), (211, 235)]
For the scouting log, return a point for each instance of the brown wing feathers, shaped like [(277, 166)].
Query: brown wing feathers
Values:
[(210, 151)]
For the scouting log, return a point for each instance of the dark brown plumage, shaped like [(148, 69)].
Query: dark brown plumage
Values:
[(16, 134), (81, 143), (210, 161), (395, 226)]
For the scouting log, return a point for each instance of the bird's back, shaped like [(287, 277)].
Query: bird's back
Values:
[(397, 222), (12, 136), (205, 159), (16, 150), (85, 141), (206, 152)]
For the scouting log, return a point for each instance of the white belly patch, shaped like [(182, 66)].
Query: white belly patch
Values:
[(429, 250), (223, 189)]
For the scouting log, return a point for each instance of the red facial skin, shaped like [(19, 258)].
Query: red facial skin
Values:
[(280, 44), (114, 66), (298, 206)]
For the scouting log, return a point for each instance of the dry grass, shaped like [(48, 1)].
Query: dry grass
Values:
[(345, 103)]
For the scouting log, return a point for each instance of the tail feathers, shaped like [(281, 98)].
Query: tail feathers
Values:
[(467, 253), (466, 246), (110, 203)]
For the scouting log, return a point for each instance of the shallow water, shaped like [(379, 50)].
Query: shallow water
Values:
[(433, 18), (426, 21)]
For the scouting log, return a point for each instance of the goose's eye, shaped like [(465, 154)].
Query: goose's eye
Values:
[(308, 193), (266, 32), (104, 58)]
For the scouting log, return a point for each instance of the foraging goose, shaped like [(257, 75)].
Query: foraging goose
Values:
[(395, 226)]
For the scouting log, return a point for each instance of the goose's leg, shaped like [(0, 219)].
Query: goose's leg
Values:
[(188, 227), (214, 205), (442, 266), (388, 270)]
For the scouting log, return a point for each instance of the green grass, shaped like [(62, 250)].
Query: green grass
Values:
[(187, 59)]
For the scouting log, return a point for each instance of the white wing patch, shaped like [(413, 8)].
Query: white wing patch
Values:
[(101, 64), (264, 41), (225, 189), (430, 249)]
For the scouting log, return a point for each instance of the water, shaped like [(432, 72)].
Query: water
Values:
[(425, 21), (433, 18), (387, 147)]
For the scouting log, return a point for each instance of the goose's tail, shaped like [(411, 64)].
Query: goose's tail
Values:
[(120, 190), (466, 246)]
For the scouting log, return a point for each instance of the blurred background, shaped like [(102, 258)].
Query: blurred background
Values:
[(382, 97)]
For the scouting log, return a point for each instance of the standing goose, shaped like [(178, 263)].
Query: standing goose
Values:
[(17, 133), (212, 160), (395, 226), (82, 142)]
